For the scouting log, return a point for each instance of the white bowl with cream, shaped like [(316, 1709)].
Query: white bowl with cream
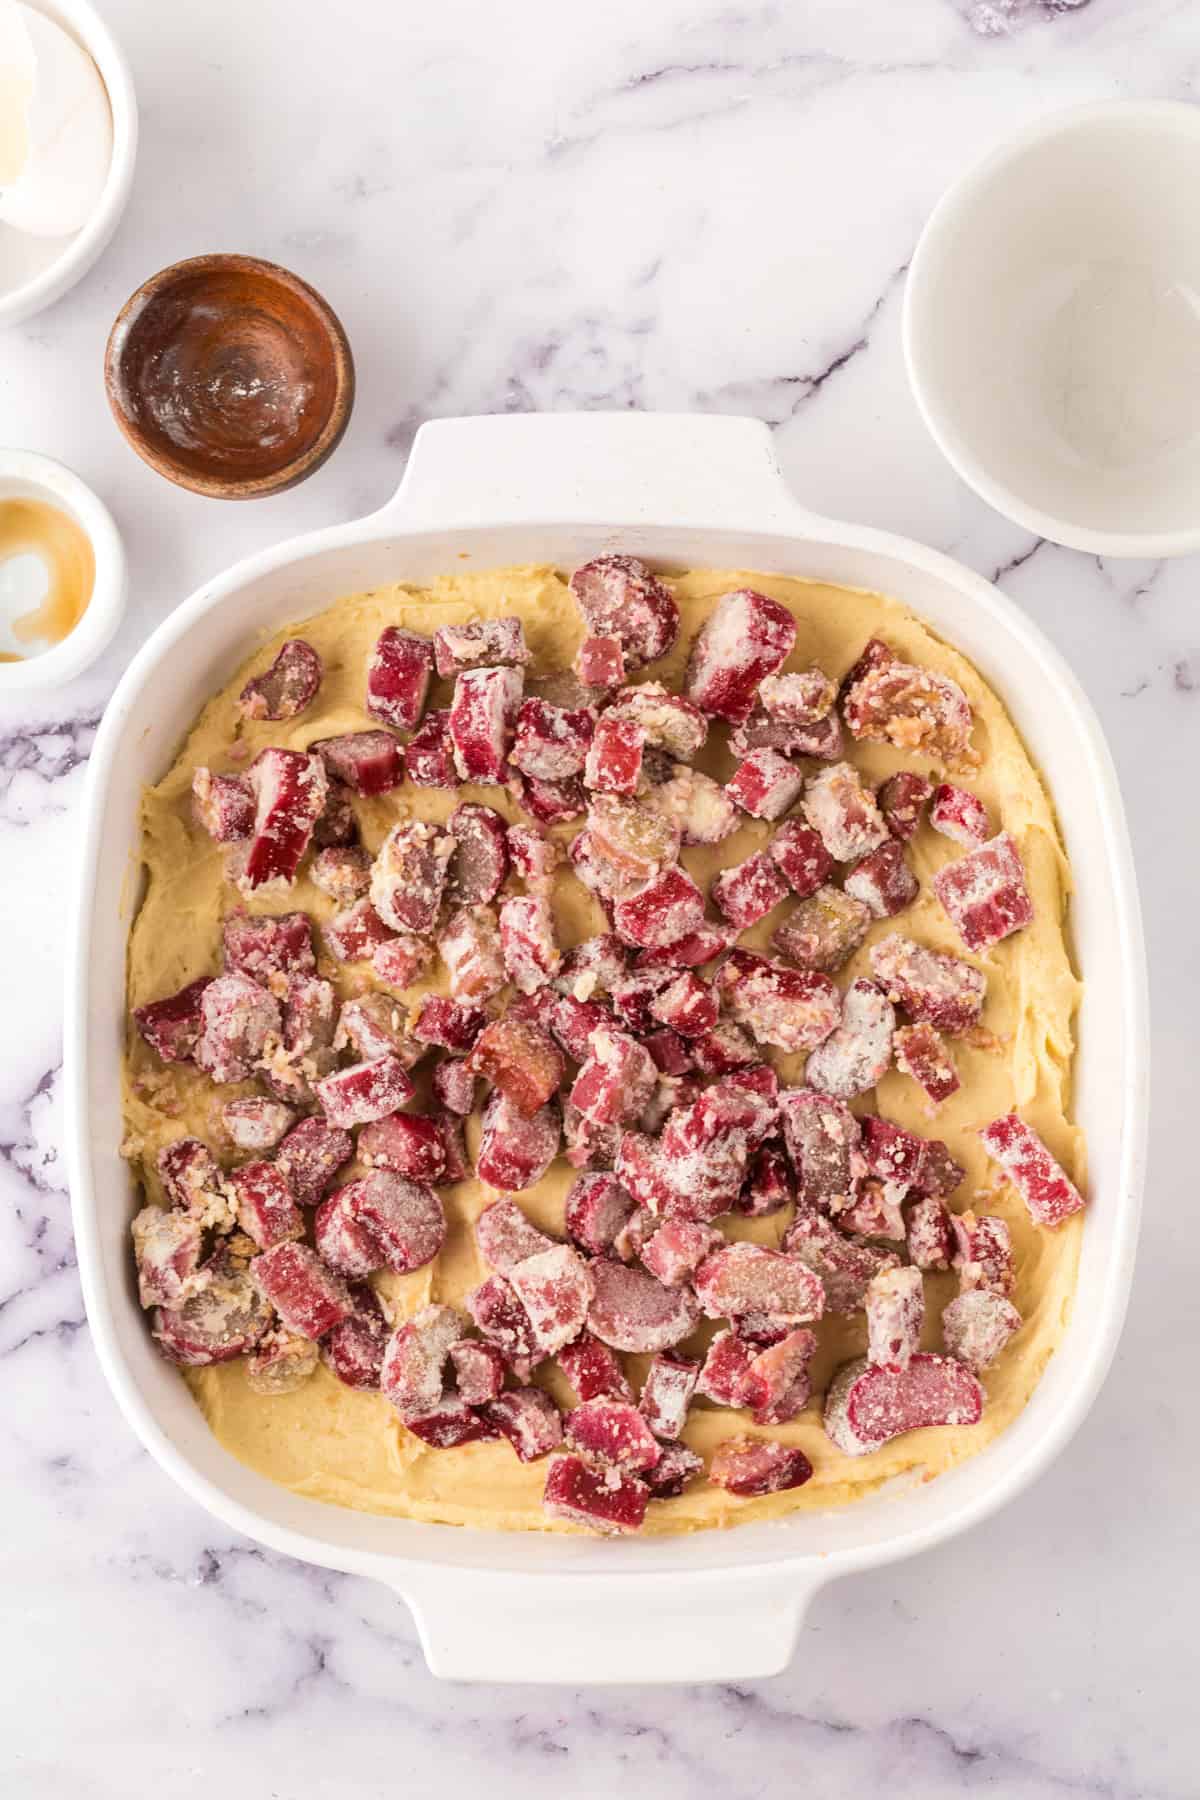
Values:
[(38, 488), (38, 261)]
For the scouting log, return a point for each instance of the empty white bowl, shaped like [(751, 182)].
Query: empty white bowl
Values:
[(34, 272), (25, 476), (1052, 328)]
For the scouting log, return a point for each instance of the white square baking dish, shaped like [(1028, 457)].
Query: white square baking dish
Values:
[(699, 491)]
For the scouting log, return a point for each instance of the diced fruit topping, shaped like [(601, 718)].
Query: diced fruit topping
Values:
[(555, 1288), (869, 1404), (469, 945), (551, 742), (363, 1092), (479, 1371), (600, 662), (236, 1019), (529, 941), (367, 762), (167, 1247), (374, 1025), (310, 1156), (747, 637), (753, 1466), (855, 1057), (747, 892), (843, 813), (409, 1144), (666, 1395), (172, 1026), (552, 802), (883, 881), (597, 1210), (823, 741), (614, 758), (500, 1318), (289, 790), (481, 854), (619, 598), (529, 1419), (930, 1234), (398, 677), (483, 718), (505, 1237), (414, 1363), (343, 871), (824, 931), (822, 1136), (447, 1023), (983, 1253), (921, 1054), (479, 643), (914, 709), (1042, 1183), (977, 1325), (593, 1370), (626, 834), (662, 911), (616, 1080), (767, 1188), (932, 988), (793, 1009), (895, 1307), (309, 1298), (223, 805), (801, 857), (776, 1385), (354, 1349), (698, 807), (803, 698), (902, 799), (515, 1151), (747, 1278), (429, 753), (723, 1376), (601, 1499), (630, 1310), (984, 893), (677, 1248), (409, 874), (287, 687), (266, 1211), (614, 1432), (355, 933), (674, 1469), (534, 857), (765, 784), (845, 1268), (521, 1060), (452, 1423), (687, 1004), (668, 721), (959, 815), (223, 1317)]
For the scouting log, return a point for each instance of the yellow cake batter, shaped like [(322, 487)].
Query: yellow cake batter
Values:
[(349, 1448)]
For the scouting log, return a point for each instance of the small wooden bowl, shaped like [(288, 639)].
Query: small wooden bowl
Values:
[(230, 376)]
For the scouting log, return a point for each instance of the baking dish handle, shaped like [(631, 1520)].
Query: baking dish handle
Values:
[(483, 1627), (674, 469)]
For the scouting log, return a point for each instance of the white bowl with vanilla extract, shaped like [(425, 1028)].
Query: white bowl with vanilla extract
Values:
[(62, 573)]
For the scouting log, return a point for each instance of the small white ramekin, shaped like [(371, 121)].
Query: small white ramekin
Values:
[(78, 253), (25, 476), (1052, 328)]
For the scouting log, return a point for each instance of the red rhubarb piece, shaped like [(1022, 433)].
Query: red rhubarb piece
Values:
[(748, 891), (404, 1217), (616, 1080), (601, 1499), (266, 1209), (668, 721), (765, 784), (874, 1211), (310, 1298), (287, 687), (674, 1469), (983, 1253), (500, 1318), (534, 857), (172, 1026), (343, 1242), (429, 753), (374, 1026), (447, 1024), (310, 1156), (355, 933), (677, 1248), (223, 1317), (614, 758), (984, 893), (600, 662), (572, 1022), (363, 1092), (167, 1247), (597, 1209), (722, 1050), (593, 1370), (883, 881), (551, 742), (921, 1054), (337, 824), (236, 1019), (976, 1327), (454, 1086), (630, 1310), (940, 990), (793, 1009), (414, 1363), (870, 1404), (409, 874), (821, 1135), (749, 1467), (895, 1308), (696, 806), (451, 1424), (959, 815), (800, 856), (256, 1124), (672, 1056), (367, 762), (506, 1237), (289, 790), (400, 961), (521, 1060), (550, 802), (845, 1268), (747, 637), (747, 1278), (409, 1144), (768, 1186), (634, 994), (483, 717), (662, 911), (529, 1419), (1042, 1183), (515, 1151), (803, 698), (469, 945), (759, 731), (479, 1371), (912, 708), (343, 871), (824, 931), (843, 813), (637, 842), (589, 1146), (723, 1376), (398, 676), (776, 1385), (855, 1057), (555, 1288), (354, 1349), (666, 1395), (688, 1005), (691, 951), (902, 800), (529, 941), (280, 1363), (481, 855), (480, 643), (930, 1234), (615, 1432), (223, 805), (619, 597)]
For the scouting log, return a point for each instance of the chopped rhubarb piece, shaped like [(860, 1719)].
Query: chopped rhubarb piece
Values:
[(551, 802), (355, 933), (481, 854), (743, 1278), (723, 1377), (555, 1288), (236, 1019), (959, 815), (429, 753), (447, 1024), (365, 1091), (308, 1297), (668, 721), (344, 1242), (696, 806), (615, 1432), (409, 1144), (921, 1054), (895, 1308), (765, 784), (551, 742), (374, 1025), (600, 662), (722, 1050), (479, 1371), (634, 994), (529, 942), (932, 988), (451, 1424), (749, 1467), (732, 1117), (310, 1156), (593, 1369), (515, 1151), (759, 731), (691, 951), (409, 874), (666, 1395), (600, 1499), (662, 911), (930, 1234), (793, 1009), (454, 1086), (630, 1310), (747, 637), (674, 1469), (521, 1060), (572, 1022), (843, 813), (343, 871), (614, 758), (821, 1135), (750, 890), (619, 597), (505, 1237), (1042, 1183), (589, 1146), (280, 1363), (223, 805), (415, 1361), (767, 1188), (983, 1253), (290, 790), (977, 1325), (901, 1157), (883, 881), (172, 1026), (479, 643), (869, 1404), (875, 1211), (688, 1005), (287, 687), (615, 1081), (337, 825), (800, 856), (457, 1164), (677, 1248), (398, 676), (529, 1419), (400, 961), (500, 1318), (824, 931), (637, 842), (534, 856), (855, 1057), (404, 1217), (483, 717), (672, 1056), (845, 1268), (597, 1208), (266, 1209), (776, 1385), (225, 1316), (367, 762), (167, 1246), (469, 945), (984, 893), (914, 709), (256, 1124), (803, 698), (902, 800), (354, 1349)]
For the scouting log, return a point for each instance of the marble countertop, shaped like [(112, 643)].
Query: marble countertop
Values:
[(677, 206)]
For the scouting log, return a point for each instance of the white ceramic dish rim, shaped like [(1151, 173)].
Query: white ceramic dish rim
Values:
[(958, 200), (504, 1606), (81, 251), (25, 475)]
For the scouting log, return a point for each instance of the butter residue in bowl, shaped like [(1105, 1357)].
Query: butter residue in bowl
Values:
[(34, 530)]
